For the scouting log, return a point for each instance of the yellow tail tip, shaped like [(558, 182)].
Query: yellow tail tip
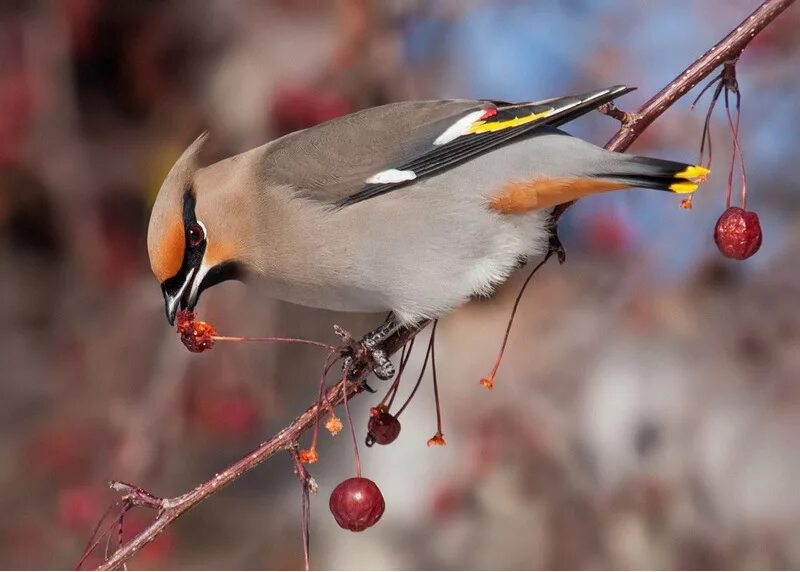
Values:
[(694, 173), (683, 187)]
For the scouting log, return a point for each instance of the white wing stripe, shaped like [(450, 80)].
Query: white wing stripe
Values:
[(391, 176), (458, 128)]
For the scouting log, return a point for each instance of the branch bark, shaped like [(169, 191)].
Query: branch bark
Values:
[(169, 509)]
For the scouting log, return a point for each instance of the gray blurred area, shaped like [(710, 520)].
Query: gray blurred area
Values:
[(647, 410)]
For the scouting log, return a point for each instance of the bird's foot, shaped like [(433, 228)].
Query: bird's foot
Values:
[(382, 366), (357, 354), (555, 246)]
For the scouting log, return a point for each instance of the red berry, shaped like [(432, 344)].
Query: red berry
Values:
[(78, 506), (357, 504), (383, 428), (197, 336), (738, 233)]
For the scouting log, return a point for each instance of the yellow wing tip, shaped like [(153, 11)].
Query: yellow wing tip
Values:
[(482, 126)]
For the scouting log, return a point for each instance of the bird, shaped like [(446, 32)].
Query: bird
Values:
[(411, 208)]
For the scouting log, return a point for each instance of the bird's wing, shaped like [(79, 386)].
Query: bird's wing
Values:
[(372, 152)]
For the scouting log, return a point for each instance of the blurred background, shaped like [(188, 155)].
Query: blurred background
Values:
[(648, 408)]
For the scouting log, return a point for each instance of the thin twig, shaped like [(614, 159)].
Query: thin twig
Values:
[(272, 339), (173, 508), (307, 486), (612, 111), (421, 375)]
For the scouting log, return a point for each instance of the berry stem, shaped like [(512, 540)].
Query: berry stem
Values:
[(306, 504), (707, 123), (97, 536), (352, 433), (421, 375), (325, 369), (513, 314), (306, 486), (396, 385), (272, 339), (435, 381), (737, 148)]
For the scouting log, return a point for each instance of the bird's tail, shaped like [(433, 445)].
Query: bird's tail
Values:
[(658, 174)]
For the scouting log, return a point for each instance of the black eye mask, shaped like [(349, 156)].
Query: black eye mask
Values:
[(196, 242), (192, 253)]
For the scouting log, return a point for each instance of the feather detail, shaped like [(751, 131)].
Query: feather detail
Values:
[(518, 197)]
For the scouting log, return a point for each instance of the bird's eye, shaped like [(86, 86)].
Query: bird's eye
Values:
[(195, 234)]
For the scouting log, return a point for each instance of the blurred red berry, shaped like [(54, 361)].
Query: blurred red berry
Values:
[(26, 545), (78, 507), (299, 107), (738, 233), (357, 504), (606, 232), (227, 416), (330, 105), (383, 428), (17, 102), (447, 500), (61, 451), (156, 554)]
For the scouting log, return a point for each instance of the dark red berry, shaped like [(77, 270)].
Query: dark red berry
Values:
[(357, 504), (196, 335), (738, 233), (382, 428)]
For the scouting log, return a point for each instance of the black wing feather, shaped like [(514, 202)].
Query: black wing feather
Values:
[(464, 148)]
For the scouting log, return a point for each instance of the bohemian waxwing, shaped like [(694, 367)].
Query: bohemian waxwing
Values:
[(411, 207)]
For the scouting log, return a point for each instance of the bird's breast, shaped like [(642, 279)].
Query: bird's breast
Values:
[(329, 295)]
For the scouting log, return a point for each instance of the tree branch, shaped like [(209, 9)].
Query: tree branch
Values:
[(727, 49), (169, 509)]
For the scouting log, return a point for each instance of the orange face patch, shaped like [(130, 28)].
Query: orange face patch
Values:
[(166, 256), (519, 197), (218, 251)]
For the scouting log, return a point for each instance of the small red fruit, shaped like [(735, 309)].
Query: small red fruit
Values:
[(196, 335), (78, 506), (308, 456), (738, 233), (357, 504), (383, 428)]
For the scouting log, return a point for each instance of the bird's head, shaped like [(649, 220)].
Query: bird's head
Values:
[(193, 239)]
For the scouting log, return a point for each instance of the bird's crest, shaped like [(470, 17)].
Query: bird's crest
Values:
[(165, 235)]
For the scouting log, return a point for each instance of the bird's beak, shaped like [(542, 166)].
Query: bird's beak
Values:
[(175, 299)]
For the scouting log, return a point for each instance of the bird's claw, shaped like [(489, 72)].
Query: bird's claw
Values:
[(555, 246), (351, 372), (382, 367), (361, 352)]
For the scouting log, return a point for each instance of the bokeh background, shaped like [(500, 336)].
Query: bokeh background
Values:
[(647, 413)]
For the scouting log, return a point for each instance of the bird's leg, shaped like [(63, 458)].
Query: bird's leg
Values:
[(368, 350), (555, 246), (351, 349), (382, 367)]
